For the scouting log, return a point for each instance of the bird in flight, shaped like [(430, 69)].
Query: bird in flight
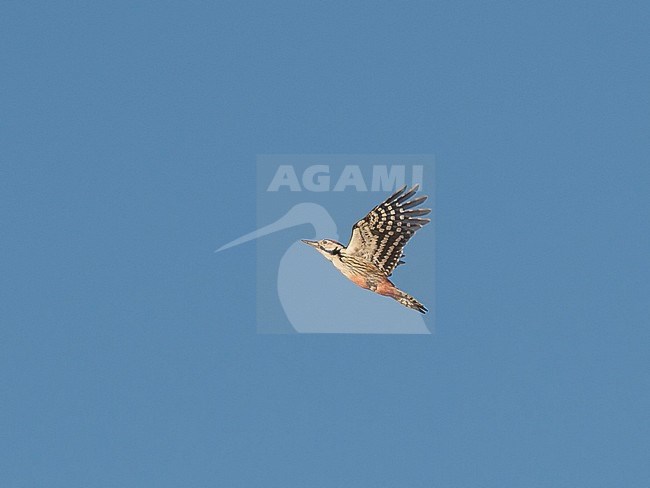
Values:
[(376, 245)]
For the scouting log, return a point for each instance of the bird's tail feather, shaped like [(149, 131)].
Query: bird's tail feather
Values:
[(407, 300)]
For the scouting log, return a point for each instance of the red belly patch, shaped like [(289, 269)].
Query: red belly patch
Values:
[(359, 280), (386, 288)]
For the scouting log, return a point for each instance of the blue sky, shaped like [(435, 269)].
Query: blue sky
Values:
[(129, 353)]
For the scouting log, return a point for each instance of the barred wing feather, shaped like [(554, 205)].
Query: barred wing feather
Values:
[(381, 235)]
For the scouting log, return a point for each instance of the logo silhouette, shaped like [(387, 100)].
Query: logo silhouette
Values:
[(344, 308)]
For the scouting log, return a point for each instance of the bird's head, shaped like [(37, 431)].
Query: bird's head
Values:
[(326, 247)]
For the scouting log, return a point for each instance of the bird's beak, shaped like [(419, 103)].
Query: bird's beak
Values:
[(310, 243)]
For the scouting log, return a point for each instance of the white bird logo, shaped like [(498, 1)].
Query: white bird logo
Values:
[(339, 307)]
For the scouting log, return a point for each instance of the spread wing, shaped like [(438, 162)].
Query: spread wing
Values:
[(381, 235)]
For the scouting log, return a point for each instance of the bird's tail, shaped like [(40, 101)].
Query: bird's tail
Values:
[(407, 300)]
